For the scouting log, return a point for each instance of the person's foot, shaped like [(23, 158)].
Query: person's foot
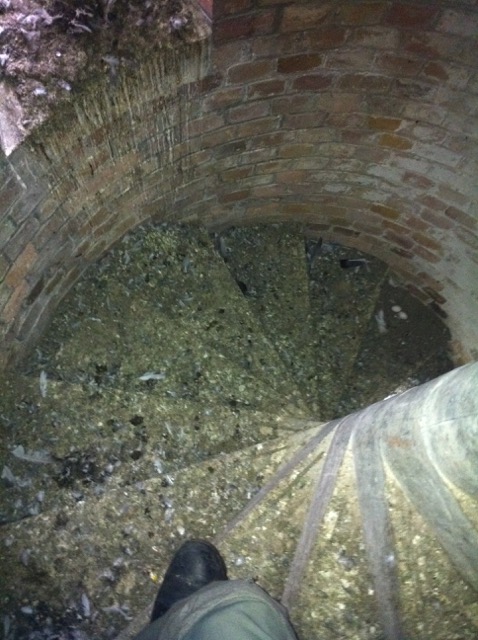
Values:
[(194, 565)]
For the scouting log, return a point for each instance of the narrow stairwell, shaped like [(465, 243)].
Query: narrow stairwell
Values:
[(183, 389)]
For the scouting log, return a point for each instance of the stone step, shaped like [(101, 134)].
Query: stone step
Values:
[(163, 302), (268, 263), (108, 472), (112, 547), (405, 344), (337, 595), (87, 437), (124, 540), (342, 298)]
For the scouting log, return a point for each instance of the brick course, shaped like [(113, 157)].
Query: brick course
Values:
[(358, 118)]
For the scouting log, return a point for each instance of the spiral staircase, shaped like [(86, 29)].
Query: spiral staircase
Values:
[(182, 390)]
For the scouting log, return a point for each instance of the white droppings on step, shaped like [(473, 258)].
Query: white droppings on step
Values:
[(380, 320), (397, 310), (43, 383), (152, 375)]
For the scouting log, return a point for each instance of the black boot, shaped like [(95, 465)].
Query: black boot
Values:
[(194, 565)]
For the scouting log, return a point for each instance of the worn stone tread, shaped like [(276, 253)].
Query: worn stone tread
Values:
[(269, 263), (341, 301), (163, 300), (400, 357), (125, 534)]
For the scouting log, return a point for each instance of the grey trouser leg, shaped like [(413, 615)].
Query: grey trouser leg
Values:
[(233, 609)]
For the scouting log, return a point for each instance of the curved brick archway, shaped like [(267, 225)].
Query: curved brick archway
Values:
[(357, 118)]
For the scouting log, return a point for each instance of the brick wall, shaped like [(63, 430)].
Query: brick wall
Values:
[(357, 118)]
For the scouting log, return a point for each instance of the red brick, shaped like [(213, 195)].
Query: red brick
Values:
[(395, 142), (428, 281), (315, 82), (335, 150), (436, 220), (326, 38), (403, 253), (417, 180), (459, 144), (294, 104), (16, 243), (364, 82), (296, 121), (249, 71), (224, 98), (267, 140), (433, 293), (256, 127), (344, 120), (450, 195), (435, 70), (405, 89), (299, 18), (338, 102), (468, 237), (4, 267), (236, 174), (9, 193), (209, 122), (226, 54), (430, 44), (373, 155), (386, 212), (269, 191), (231, 7), (361, 13), (259, 155), (49, 230), (460, 216), (399, 234), (384, 124), (276, 45), (351, 165), (207, 7), (353, 136), (248, 112), (345, 231), (297, 208), (350, 59), (245, 26), (272, 166), (293, 177), (14, 303), (366, 227), (375, 37), (267, 88), (263, 212), (428, 242), (416, 224), (399, 65), (234, 196), (218, 140), (411, 15), (303, 62), (426, 254), (197, 158), (433, 203), (296, 150)]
